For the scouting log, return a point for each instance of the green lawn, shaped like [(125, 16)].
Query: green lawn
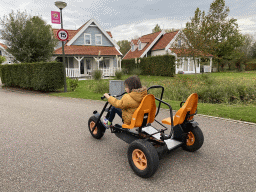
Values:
[(237, 111)]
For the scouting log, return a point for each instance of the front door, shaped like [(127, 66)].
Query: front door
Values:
[(82, 67), (88, 66)]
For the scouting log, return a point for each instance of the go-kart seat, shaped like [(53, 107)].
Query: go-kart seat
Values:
[(189, 106), (147, 108)]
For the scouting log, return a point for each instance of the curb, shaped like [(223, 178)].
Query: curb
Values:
[(230, 120)]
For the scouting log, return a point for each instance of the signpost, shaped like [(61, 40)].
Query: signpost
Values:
[(62, 35)]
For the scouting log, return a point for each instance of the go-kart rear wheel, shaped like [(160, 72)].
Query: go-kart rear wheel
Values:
[(99, 129), (194, 140), (143, 158)]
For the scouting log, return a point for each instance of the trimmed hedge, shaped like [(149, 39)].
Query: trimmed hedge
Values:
[(156, 65), (35, 76)]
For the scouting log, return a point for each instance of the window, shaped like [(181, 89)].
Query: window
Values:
[(139, 45), (87, 39), (132, 47), (179, 43), (98, 39), (104, 64)]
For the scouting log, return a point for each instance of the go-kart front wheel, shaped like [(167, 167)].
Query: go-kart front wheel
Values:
[(194, 140), (143, 158), (99, 129)]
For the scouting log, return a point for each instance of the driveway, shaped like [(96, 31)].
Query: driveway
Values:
[(45, 145)]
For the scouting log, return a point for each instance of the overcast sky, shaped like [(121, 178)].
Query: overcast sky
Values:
[(128, 18)]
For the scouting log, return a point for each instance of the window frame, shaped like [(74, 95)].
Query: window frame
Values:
[(139, 46), (85, 38), (98, 35)]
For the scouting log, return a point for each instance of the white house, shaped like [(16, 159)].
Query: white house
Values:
[(173, 43)]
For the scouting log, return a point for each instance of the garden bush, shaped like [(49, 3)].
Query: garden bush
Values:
[(208, 88), (72, 83), (35, 76), (119, 74), (101, 87), (97, 74)]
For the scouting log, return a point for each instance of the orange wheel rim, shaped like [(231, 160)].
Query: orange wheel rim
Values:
[(139, 159), (91, 126), (190, 139)]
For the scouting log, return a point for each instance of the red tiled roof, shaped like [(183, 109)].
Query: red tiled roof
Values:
[(87, 50), (165, 40), (146, 38), (71, 33), (3, 45), (187, 52)]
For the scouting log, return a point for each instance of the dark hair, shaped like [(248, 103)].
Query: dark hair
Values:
[(133, 82)]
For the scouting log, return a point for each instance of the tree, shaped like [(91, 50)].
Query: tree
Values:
[(223, 32), (124, 46), (156, 29), (254, 50), (246, 47), (2, 59), (214, 33), (29, 39)]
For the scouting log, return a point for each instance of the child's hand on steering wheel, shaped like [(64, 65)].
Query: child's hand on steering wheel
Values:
[(106, 95)]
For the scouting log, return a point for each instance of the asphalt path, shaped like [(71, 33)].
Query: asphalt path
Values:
[(45, 145)]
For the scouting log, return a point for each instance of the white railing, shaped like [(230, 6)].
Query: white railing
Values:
[(72, 72), (109, 71), (207, 69)]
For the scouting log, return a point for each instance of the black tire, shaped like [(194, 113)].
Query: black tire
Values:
[(194, 140), (99, 130), (143, 158)]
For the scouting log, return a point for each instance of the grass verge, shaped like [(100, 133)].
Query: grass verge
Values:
[(239, 111)]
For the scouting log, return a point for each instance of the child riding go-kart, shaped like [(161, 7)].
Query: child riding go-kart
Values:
[(147, 143)]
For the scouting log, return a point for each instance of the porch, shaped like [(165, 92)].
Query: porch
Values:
[(77, 67), (189, 65)]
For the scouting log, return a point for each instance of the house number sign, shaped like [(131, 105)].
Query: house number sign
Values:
[(62, 35)]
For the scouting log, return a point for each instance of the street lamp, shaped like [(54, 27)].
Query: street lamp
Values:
[(61, 5)]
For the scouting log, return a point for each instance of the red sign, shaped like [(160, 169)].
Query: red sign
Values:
[(55, 17), (62, 35)]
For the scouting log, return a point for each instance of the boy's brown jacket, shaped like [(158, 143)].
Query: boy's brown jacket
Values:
[(129, 103)]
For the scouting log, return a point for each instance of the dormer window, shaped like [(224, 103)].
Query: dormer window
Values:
[(132, 47), (87, 39), (179, 43), (98, 39), (140, 45)]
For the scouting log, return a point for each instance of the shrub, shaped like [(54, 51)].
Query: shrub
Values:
[(136, 71), (119, 74), (36, 76), (101, 87), (97, 74), (72, 83)]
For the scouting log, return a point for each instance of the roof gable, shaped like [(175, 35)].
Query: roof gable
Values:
[(150, 39), (85, 26), (165, 40)]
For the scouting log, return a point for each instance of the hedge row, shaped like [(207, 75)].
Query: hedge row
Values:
[(156, 65), (250, 66), (35, 76)]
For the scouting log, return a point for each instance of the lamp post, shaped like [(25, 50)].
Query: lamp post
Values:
[(61, 5)]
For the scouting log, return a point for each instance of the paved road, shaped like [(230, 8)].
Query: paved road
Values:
[(45, 146)]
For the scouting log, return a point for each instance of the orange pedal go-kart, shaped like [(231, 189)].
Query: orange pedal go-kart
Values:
[(147, 143)]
